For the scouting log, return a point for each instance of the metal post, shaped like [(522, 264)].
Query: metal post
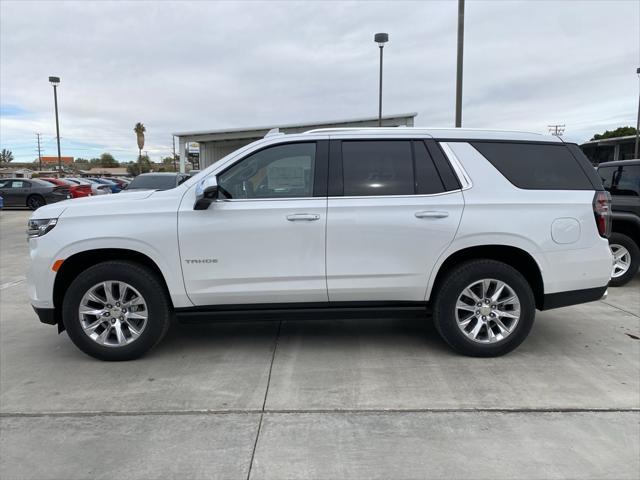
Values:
[(459, 64), (55, 101), (39, 154), (175, 169), (635, 152), (380, 91)]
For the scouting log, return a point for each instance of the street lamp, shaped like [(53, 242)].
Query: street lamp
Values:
[(635, 152), (380, 39), (55, 81)]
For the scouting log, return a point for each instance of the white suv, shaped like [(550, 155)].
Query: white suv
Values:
[(479, 227)]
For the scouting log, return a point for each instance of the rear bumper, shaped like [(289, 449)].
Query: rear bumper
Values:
[(573, 297)]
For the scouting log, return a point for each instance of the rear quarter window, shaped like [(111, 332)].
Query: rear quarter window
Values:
[(537, 166)]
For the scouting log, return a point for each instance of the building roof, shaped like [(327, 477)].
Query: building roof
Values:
[(613, 140), (55, 159), (259, 132)]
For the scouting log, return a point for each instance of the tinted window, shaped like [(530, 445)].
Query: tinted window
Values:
[(377, 168), (536, 166), (153, 182), (622, 180), (427, 177), (282, 171), (606, 175)]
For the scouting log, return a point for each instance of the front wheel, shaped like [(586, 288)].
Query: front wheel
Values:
[(116, 310), (484, 308)]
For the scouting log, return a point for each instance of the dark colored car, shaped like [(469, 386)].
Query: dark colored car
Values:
[(31, 192), (157, 181), (76, 190), (622, 180), (115, 188)]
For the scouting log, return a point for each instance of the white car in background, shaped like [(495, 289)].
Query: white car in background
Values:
[(479, 227), (96, 188)]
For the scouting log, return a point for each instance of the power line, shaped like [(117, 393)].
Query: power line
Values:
[(556, 130)]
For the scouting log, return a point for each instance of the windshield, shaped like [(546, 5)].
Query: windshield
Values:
[(153, 182)]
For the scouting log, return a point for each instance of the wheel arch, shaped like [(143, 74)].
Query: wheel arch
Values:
[(80, 261), (515, 257)]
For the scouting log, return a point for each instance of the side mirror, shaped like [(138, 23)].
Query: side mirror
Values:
[(206, 193)]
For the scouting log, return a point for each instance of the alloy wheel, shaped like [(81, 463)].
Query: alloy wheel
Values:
[(621, 260), (113, 313), (487, 311)]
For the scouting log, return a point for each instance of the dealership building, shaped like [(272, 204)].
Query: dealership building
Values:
[(210, 146)]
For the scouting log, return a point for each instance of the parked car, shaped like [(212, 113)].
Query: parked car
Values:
[(622, 180), (157, 181), (480, 227), (96, 187), (115, 188), (1, 202), (77, 190), (32, 193), (121, 182)]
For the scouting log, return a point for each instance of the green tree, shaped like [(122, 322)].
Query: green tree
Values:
[(107, 160), (6, 156), (618, 132), (143, 164)]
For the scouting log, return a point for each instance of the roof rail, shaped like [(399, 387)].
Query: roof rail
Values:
[(349, 129)]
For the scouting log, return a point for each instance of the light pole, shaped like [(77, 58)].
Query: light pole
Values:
[(55, 81), (459, 63), (635, 152), (380, 39)]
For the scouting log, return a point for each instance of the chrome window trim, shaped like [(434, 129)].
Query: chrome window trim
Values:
[(461, 173)]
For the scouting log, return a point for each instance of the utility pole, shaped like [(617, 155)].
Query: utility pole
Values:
[(175, 169), (556, 130), (635, 155), (55, 81), (459, 63), (39, 153)]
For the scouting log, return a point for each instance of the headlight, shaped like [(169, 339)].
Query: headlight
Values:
[(37, 228)]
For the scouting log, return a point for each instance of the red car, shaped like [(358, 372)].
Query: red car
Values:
[(76, 190)]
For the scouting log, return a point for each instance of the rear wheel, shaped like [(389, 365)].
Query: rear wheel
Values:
[(116, 310), (484, 308), (35, 201), (626, 258)]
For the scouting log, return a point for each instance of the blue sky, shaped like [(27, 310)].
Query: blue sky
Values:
[(179, 66)]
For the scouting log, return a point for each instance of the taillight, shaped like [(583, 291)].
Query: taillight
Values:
[(602, 212)]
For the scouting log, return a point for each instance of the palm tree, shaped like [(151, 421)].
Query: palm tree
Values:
[(6, 156), (140, 129)]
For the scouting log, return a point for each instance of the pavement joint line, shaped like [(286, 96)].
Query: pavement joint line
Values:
[(264, 401), (261, 412), (621, 309), (13, 283)]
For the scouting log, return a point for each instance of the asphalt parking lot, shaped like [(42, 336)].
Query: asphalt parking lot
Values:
[(319, 399)]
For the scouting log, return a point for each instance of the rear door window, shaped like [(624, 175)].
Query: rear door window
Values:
[(536, 166), (377, 168)]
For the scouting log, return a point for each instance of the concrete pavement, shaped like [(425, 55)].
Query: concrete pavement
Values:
[(319, 399)]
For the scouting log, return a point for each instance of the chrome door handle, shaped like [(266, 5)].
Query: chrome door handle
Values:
[(304, 217), (432, 214)]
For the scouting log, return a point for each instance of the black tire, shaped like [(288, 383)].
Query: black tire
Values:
[(457, 280), (144, 281), (35, 201), (634, 252)]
